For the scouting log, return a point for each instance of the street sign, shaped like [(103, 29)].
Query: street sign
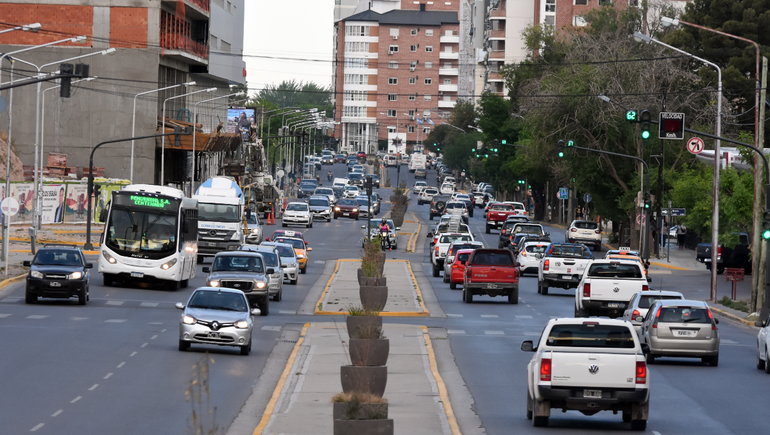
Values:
[(587, 198), (563, 193), (9, 206), (280, 173), (695, 145), (671, 125), (674, 212)]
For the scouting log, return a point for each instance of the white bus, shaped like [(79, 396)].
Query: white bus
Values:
[(150, 234)]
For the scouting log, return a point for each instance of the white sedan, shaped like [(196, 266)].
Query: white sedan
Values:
[(297, 213)]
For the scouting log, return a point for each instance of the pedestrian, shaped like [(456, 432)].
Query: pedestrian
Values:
[(681, 231), (578, 213), (666, 230)]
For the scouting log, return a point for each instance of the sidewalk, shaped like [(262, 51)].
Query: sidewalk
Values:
[(404, 295), (417, 396)]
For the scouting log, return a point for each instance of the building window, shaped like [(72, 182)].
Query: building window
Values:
[(391, 129), (412, 48), (426, 97), (356, 79), (428, 32), (579, 22), (393, 65), (429, 48), (354, 111), (447, 81), (357, 30), (357, 47), (429, 81), (413, 32), (412, 65), (412, 97), (411, 129), (426, 130), (550, 5), (391, 113), (392, 80), (356, 62), (411, 112), (355, 96), (581, 2), (550, 20), (412, 80), (428, 65), (393, 49), (392, 97)]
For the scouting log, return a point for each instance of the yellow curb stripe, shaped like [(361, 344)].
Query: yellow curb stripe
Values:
[(668, 266), (281, 382), (41, 241), (328, 285), (382, 313), (417, 288), (8, 281), (442, 391), (731, 316)]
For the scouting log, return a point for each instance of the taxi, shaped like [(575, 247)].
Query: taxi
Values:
[(286, 233), (300, 248), (626, 254)]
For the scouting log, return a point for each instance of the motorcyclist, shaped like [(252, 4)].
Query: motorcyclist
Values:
[(384, 230), (330, 175)]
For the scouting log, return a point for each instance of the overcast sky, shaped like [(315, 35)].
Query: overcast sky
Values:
[(295, 29)]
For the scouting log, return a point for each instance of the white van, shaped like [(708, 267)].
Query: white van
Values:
[(391, 160)]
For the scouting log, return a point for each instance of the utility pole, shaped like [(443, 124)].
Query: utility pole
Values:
[(764, 270)]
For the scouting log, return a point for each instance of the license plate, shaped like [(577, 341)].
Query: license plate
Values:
[(597, 394), (492, 286), (615, 305), (213, 335), (686, 333), (566, 277), (707, 260), (55, 284), (346, 214), (137, 275)]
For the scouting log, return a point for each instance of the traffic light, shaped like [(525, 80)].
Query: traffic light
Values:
[(504, 142), (494, 149), (570, 143), (645, 117), (561, 148), (647, 201), (766, 225), (632, 116), (66, 82)]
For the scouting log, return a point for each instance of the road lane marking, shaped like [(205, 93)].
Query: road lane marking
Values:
[(57, 413), (39, 425), (133, 353), (271, 328), (36, 317), (93, 387), (153, 337), (11, 300), (494, 332), (117, 303), (115, 321), (149, 304), (455, 331), (121, 364), (655, 432), (163, 330), (143, 345), (532, 334), (454, 315), (489, 315), (443, 394), (523, 317), (155, 323), (76, 399), (319, 262), (78, 318), (3, 316), (286, 312), (108, 376)]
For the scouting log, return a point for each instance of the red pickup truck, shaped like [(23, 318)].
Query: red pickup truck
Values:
[(491, 272), (497, 214)]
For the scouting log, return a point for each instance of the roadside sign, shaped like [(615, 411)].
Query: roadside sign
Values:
[(563, 194), (587, 197), (674, 212), (695, 145), (671, 125), (9, 206)]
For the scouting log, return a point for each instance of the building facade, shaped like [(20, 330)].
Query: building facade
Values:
[(158, 44)]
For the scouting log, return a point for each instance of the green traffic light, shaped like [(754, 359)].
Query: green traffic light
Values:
[(561, 153), (631, 116), (766, 234), (645, 134), (504, 141), (486, 156), (570, 143)]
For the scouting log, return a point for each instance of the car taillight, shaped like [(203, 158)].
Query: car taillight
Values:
[(436, 250), (645, 287), (523, 253), (545, 369), (711, 317), (574, 230), (454, 266), (641, 372), (546, 264), (635, 314), (586, 290), (598, 231), (657, 316)]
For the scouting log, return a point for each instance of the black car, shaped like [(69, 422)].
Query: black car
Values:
[(351, 164), (375, 180), (58, 271), (505, 230), (306, 188)]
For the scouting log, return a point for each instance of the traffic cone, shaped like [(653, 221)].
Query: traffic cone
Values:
[(270, 218)]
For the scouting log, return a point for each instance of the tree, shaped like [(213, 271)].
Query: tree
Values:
[(298, 94), (236, 89)]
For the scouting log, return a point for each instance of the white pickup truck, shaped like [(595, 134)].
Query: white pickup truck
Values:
[(588, 365), (607, 286), (562, 266), (439, 250)]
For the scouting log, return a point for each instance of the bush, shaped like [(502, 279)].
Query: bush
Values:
[(371, 257), (736, 305)]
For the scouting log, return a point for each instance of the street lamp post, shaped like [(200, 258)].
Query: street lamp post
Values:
[(163, 138), (133, 121), (34, 27)]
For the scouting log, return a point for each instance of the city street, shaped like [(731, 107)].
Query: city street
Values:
[(113, 366)]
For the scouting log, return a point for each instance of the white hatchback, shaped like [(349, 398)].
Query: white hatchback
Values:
[(297, 213), (447, 189), (529, 256), (585, 232)]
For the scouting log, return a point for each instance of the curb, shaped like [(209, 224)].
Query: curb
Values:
[(442, 391), (731, 316), (668, 266), (8, 281)]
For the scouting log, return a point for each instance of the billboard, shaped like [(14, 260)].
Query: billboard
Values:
[(240, 118)]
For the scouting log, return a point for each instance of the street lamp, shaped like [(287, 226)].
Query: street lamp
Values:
[(482, 131), (163, 139), (133, 121), (34, 27)]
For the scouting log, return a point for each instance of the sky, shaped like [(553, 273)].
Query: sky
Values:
[(294, 29)]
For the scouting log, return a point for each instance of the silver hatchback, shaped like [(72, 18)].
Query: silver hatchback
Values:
[(681, 328)]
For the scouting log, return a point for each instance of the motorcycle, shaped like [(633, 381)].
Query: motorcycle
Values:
[(330, 175)]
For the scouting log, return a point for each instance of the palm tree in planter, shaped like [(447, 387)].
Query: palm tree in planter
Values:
[(400, 205), (361, 414)]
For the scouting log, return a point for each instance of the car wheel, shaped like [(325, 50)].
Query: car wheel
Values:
[(185, 283), (283, 224), (720, 270), (544, 289), (431, 217), (357, 217), (760, 361), (453, 285), (767, 366), (265, 307), (626, 416), (436, 271), (714, 360), (335, 216), (529, 406), (487, 229), (598, 247), (83, 296), (184, 345), (650, 358), (310, 225), (108, 279), (29, 297), (293, 281), (328, 219), (245, 350), (445, 278), (639, 425), (468, 296), (513, 296), (538, 421), (303, 270), (173, 285)]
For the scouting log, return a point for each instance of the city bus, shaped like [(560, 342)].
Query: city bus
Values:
[(150, 235)]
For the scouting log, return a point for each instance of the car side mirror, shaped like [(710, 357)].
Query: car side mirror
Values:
[(256, 312), (758, 323), (309, 249), (639, 319), (363, 227), (267, 239), (429, 235), (179, 305), (270, 271), (398, 228), (547, 234), (649, 279), (29, 263), (645, 348), (716, 321), (89, 265), (206, 269), (528, 346)]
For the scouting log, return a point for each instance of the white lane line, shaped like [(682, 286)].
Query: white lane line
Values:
[(271, 328), (153, 337), (528, 305), (319, 262), (11, 300), (149, 304), (57, 413), (39, 425), (489, 315), (154, 323), (655, 432), (3, 316), (93, 387), (36, 317), (726, 341), (523, 317), (133, 353), (455, 331), (532, 334), (121, 364), (494, 332), (117, 303), (163, 330), (108, 376), (78, 318), (143, 345), (115, 321), (286, 312), (454, 315), (76, 399)]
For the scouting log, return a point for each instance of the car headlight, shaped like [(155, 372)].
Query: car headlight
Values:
[(109, 258), (36, 274), (169, 265), (75, 275), (255, 231), (260, 284), (354, 210), (300, 257), (214, 283), (336, 209), (189, 320), (292, 265)]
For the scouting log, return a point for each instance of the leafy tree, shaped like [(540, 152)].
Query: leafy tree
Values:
[(236, 89), (298, 94)]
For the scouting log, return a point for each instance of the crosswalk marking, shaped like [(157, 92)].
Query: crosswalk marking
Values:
[(115, 321), (117, 303), (36, 317), (494, 332), (149, 304), (455, 331), (78, 318), (3, 316)]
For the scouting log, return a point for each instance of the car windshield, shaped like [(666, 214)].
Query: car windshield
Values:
[(348, 202), (340, 156), (615, 270), (455, 238), (308, 186), (576, 251), (234, 263), (324, 191), (218, 212), (50, 257), (647, 300), (455, 205), (319, 202), (518, 206), (355, 176), (590, 334), (212, 300), (463, 257), (285, 251), (493, 258), (296, 243), (420, 183), (460, 246), (376, 224), (586, 225), (528, 229), (271, 259), (430, 191), (535, 249), (252, 219), (362, 201), (501, 207), (296, 206), (684, 315)]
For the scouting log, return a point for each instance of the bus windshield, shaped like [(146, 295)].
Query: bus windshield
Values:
[(218, 212), (142, 232)]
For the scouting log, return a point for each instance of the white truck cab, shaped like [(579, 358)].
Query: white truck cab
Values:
[(220, 216), (607, 287)]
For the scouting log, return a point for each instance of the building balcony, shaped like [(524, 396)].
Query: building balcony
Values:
[(448, 71), (449, 39), (447, 88), (182, 47), (194, 9), (497, 14), (495, 77), (446, 104), (497, 34), (497, 54), (448, 54)]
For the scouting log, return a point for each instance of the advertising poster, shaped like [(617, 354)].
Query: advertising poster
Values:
[(52, 203), (24, 193), (102, 196), (75, 211), (239, 118)]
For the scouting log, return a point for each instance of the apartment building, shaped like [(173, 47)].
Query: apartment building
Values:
[(159, 43)]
